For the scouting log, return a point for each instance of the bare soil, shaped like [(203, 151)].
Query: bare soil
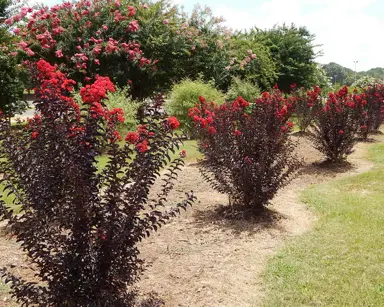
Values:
[(202, 259)]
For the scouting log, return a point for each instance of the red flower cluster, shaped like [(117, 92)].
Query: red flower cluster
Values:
[(96, 91), (183, 153), (135, 137), (283, 107), (142, 146), (173, 123), (132, 137)]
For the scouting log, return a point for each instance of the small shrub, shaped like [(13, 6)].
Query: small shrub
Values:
[(248, 153), (186, 94), (336, 124), (11, 85), (79, 227), (243, 88), (121, 99), (307, 105), (373, 110)]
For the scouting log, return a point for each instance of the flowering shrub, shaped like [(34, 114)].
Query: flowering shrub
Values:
[(373, 110), (336, 124), (307, 104), (147, 44), (80, 227), (247, 150), (85, 37)]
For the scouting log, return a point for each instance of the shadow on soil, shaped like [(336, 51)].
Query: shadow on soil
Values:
[(326, 168), (238, 221)]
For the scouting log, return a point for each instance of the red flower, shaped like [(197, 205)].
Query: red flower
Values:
[(142, 129), (96, 91), (116, 114), (34, 134), (183, 153), (290, 124), (211, 130), (341, 132), (131, 11), (115, 137), (237, 133), (132, 137), (59, 53), (364, 127), (173, 123), (133, 26), (143, 146)]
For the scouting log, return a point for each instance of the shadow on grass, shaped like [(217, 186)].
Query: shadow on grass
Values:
[(238, 220)]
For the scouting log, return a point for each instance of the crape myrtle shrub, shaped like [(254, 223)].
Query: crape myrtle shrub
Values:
[(248, 153), (149, 44), (373, 111), (78, 226), (307, 105), (335, 127)]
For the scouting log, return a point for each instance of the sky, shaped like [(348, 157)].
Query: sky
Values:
[(348, 30)]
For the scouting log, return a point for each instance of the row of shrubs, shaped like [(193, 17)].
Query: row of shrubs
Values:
[(181, 98), (81, 227)]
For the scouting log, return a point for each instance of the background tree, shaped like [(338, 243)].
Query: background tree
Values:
[(11, 76), (261, 70), (292, 50), (339, 74)]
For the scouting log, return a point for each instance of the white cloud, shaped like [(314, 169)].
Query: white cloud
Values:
[(346, 32)]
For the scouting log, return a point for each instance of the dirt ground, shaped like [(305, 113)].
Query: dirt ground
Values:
[(202, 259)]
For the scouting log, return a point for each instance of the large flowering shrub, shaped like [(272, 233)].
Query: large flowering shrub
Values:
[(373, 110), (335, 127), (307, 105), (145, 43), (247, 150), (80, 226)]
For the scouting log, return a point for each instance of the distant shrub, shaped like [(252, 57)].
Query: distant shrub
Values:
[(11, 86), (307, 105), (336, 124), (185, 95), (121, 99), (243, 88), (248, 153), (373, 110)]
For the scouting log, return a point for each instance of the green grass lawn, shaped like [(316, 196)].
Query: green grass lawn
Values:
[(341, 261)]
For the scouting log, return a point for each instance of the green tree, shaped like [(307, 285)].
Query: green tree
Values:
[(11, 77), (260, 71), (339, 73), (292, 50)]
